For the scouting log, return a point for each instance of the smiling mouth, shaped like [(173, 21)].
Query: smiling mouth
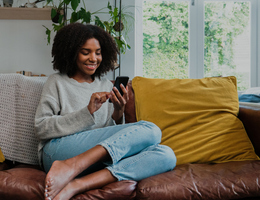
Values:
[(91, 66)]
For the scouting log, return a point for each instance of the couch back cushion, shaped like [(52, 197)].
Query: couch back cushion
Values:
[(198, 117), (2, 158), (19, 98)]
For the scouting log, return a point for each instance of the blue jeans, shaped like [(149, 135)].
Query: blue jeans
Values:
[(134, 150)]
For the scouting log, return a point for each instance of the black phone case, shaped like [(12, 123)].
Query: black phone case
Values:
[(119, 80)]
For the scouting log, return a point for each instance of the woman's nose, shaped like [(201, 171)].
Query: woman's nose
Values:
[(93, 57)]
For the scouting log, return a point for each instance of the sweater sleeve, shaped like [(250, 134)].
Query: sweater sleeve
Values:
[(49, 124)]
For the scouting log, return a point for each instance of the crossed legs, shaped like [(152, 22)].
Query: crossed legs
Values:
[(128, 147)]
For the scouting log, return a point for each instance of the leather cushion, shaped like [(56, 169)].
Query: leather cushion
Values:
[(121, 190), (22, 182), (26, 182), (232, 180)]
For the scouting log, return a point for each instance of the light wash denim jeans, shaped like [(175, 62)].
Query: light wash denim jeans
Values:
[(134, 150)]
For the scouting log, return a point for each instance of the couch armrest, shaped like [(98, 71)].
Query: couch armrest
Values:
[(250, 117)]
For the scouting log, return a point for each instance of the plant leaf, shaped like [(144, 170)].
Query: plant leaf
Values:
[(66, 2), (48, 33), (53, 12), (121, 45), (74, 17), (115, 13), (109, 6), (85, 16), (57, 27), (74, 4), (99, 23), (60, 19)]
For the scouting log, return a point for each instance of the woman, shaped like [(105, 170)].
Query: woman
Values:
[(84, 143)]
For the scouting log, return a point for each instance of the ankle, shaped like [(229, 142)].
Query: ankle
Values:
[(74, 166)]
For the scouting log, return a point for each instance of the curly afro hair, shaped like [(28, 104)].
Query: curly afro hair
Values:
[(68, 42)]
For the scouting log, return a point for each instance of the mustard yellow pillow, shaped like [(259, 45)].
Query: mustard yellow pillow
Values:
[(198, 117), (2, 158)]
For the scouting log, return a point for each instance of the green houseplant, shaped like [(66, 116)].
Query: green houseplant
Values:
[(118, 24)]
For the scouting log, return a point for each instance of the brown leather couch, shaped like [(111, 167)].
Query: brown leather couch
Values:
[(233, 180)]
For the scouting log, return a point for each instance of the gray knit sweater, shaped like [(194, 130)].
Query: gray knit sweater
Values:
[(63, 108)]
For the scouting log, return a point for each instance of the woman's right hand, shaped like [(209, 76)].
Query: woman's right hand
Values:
[(96, 101)]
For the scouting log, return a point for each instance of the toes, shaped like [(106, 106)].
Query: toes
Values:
[(48, 186), (48, 192), (48, 182), (47, 196)]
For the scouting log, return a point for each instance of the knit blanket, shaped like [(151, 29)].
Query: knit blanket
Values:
[(19, 98)]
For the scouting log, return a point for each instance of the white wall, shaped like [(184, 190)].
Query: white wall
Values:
[(23, 44)]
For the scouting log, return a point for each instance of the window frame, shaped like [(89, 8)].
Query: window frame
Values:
[(196, 42)]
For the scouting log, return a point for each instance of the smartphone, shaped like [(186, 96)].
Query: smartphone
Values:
[(118, 81)]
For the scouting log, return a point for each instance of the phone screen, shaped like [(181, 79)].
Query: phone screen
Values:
[(118, 81)]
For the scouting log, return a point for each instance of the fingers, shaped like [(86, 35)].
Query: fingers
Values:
[(124, 89), (96, 101), (116, 97), (101, 97)]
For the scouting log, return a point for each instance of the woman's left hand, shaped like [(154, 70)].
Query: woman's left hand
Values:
[(119, 102)]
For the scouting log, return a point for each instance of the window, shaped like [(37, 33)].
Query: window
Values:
[(201, 38), (227, 40), (166, 39)]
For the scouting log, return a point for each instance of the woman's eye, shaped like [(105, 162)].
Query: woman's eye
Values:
[(84, 53)]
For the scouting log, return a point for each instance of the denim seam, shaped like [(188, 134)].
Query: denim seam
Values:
[(133, 161), (47, 155), (109, 149), (113, 171), (57, 141)]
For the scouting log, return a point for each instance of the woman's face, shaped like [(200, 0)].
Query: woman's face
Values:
[(88, 60)]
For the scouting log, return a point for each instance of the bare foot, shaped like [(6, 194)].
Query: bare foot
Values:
[(60, 174), (71, 189), (92, 181)]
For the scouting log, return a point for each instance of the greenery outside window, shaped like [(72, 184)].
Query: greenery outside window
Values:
[(200, 38)]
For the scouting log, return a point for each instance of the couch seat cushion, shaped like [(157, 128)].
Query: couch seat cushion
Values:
[(222, 181), (122, 190), (24, 182), (198, 117)]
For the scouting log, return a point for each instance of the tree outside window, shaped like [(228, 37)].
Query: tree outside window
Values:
[(226, 40)]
